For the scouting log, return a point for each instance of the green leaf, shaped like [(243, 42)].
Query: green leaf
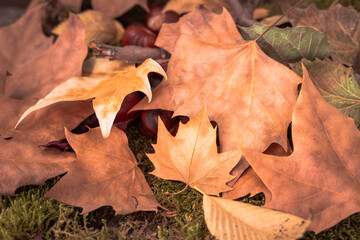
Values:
[(289, 45), (338, 85)]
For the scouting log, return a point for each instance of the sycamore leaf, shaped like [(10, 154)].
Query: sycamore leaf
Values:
[(107, 91), (116, 8), (248, 94), (97, 27), (232, 220), (191, 156), (341, 24), (104, 173), (321, 178), (289, 45), (338, 85)]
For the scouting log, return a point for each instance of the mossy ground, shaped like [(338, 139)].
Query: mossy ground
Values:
[(29, 213)]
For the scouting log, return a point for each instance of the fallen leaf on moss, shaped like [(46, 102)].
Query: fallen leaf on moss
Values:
[(104, 173), (248, 94), (97, 27), (232, 220), (320, 179), (191, 156), (107, 91)]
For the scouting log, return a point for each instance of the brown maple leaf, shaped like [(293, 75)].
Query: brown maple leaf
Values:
[(340, 23), (321, 178), (191, 156), (104, 173), (116, 8), (248, 94)]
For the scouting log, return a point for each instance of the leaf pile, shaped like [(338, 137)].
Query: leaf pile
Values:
[(309, 172)]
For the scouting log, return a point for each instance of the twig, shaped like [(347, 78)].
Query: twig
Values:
[(244, 17), (134, 54)]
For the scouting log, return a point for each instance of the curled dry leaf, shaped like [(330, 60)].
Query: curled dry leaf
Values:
[(97, 27), (227, 219), (338, 85), (191, 156), (340, 23), (116, 8), (107, 91), (248, 94), (320, 179), (104, 173)]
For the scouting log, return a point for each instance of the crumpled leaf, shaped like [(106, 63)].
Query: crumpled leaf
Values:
[(191, 156), (23, 40), (107, 91), (116, 8), (227, 219), (104, 173), (341, 24), (338, 85), (97, 27), (321, 178), (248, 94), (288, 45), (185, 6)]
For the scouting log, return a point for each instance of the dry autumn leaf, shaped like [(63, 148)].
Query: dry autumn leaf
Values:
[(340, 23), (232, 220), (97, 27), (104, 173), (248, 94), (338, 85), (116, 8), (191, 156), (107, 91), (320, 179)]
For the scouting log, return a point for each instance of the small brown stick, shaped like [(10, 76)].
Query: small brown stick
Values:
[(133, 54)]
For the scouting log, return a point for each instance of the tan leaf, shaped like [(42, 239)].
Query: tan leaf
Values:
[(270, 20), (97, 27), (104, 173), (260, 13), (321, 179), (227, 219), (191, 156), (341, 24), (116, 8), (107, 91), (248, 94), (94, 65)]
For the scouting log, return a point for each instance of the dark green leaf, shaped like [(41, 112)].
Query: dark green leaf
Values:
[(289, 45)]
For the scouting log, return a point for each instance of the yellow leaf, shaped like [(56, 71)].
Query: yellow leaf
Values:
[(97, 26), (191, 156), (107, 91), (227, 219)]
